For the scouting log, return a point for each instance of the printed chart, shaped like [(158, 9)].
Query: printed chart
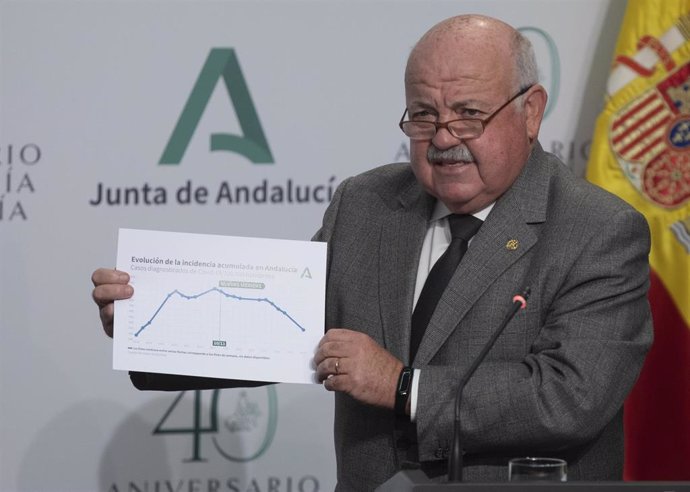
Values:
[(220, 306)]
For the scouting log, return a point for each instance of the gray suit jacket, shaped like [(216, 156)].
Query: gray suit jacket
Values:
[(555, 381)]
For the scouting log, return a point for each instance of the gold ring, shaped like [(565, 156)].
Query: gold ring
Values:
[(337, 366)]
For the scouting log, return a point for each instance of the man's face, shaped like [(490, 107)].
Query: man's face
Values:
[(451, 79)]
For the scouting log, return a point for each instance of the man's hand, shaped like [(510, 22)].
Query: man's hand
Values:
[(352, 362), (109, 285)]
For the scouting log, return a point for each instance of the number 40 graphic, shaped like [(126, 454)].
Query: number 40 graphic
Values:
[(197, 429)]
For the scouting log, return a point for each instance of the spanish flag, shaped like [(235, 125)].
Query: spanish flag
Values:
[(641, 152)]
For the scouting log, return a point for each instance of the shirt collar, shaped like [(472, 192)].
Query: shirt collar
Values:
[(441, 211)]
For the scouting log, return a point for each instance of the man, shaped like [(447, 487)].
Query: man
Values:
[(555, 381)]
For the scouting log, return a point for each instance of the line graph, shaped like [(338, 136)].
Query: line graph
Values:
[(222, 292), (220, 306)]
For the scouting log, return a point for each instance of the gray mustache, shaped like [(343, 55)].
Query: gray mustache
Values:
[(458, 153)]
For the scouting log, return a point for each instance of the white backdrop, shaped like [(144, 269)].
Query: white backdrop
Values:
[(90, 93)]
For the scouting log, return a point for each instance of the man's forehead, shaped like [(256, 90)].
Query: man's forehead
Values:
[(455, 70), (462, 78)]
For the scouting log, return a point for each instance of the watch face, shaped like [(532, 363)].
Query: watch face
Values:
[(401, 395), (405, 378)]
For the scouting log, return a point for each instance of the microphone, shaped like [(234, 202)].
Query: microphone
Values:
[(455, 457)]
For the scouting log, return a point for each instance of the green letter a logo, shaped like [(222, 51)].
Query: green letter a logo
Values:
[(221, 63)]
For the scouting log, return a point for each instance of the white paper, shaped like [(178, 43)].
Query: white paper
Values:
[(220, 306)]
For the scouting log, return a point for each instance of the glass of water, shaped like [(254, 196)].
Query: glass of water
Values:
[(537, 470)]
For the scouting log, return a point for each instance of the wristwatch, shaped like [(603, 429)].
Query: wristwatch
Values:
[(402, 392)]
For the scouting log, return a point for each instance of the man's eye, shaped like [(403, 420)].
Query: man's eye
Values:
[(470, 113), (422, 115)]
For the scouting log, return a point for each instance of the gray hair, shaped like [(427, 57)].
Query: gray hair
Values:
[(525, 61)]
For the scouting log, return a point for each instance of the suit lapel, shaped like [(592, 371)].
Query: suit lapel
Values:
[(489, 254), (402, 236)]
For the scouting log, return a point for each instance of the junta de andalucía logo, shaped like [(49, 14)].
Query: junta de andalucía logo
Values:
[(221, 64)]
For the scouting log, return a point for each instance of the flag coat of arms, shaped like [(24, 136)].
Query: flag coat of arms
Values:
[(641, 152)]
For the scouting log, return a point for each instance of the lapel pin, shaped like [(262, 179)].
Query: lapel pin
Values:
[(512, 244)]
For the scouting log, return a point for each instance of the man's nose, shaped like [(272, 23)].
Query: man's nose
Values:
[(444, 140)]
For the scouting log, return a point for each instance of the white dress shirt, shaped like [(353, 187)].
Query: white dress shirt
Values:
[(436, 242)]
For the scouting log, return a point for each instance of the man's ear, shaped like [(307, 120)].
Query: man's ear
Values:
[(534, 106)]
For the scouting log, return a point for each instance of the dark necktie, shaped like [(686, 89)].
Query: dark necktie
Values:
[(462, 228)]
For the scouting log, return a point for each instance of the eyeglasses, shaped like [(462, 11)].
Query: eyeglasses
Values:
[(462, 128)]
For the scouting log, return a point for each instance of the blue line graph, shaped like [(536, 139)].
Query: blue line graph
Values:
[(227, 295)]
